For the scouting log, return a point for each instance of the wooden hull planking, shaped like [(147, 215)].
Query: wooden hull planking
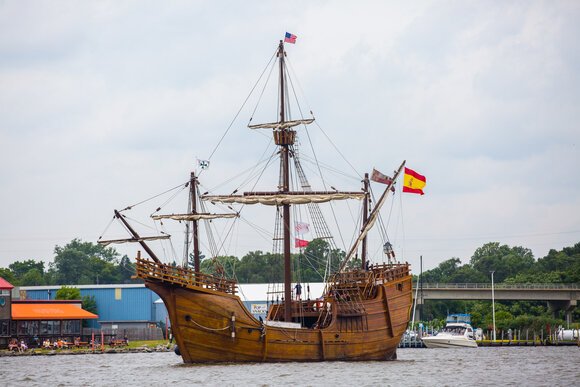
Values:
[(201, 322)]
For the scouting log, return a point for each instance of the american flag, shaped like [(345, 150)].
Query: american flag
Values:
[(302, 228), (290, 38)]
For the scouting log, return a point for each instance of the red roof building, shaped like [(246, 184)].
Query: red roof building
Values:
[(5, 285), (32, 321)]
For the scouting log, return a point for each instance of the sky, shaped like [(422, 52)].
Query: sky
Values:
[(106, 103)]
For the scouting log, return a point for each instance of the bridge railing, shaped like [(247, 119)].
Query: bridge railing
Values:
[(427, 286)]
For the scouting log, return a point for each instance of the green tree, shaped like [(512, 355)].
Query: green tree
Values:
[(565, 262), (20, 268), (90, 304), (442, 272), (8, 275), (126, 270), (218, 266), (28, 272), (466, 274), (252, 268), (505, 261), (82, 262), (68, 293), (32, 277)]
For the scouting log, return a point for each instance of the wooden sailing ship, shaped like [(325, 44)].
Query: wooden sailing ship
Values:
[(361, 315)]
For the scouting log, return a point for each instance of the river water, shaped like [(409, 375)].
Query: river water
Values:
[(515, 366)]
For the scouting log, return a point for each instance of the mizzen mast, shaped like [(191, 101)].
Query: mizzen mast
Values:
[(364, 220), (194, 222)]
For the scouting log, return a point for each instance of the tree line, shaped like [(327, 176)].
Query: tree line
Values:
[(77, 263), (510, 265), (85, 263)]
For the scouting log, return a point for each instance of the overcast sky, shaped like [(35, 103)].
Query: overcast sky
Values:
[(103, 104)]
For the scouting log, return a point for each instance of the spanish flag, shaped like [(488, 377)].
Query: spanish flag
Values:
[(413, 182)]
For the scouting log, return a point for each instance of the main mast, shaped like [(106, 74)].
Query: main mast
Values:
[(284, 138)]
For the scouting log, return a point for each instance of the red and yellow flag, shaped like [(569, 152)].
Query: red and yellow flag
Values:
[(413, 182)]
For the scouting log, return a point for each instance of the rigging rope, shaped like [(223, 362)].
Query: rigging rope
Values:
[(153, 197), (241, 107)]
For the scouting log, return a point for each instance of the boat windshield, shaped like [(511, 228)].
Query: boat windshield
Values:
[(454, 330)]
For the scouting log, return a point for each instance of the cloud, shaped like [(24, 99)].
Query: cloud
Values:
[(106, 103)]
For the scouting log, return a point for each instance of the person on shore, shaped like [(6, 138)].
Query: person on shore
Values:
[(13, 345)]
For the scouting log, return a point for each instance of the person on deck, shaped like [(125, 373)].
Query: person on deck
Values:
[(298, 290)]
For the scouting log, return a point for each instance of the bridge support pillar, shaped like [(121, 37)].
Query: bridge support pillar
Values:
[(418, 309), (571, 306), (566, 306)]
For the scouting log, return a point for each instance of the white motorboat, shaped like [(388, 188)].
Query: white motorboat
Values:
[(457, 333)]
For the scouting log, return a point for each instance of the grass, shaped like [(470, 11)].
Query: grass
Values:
[(146, 343), (132, 344)]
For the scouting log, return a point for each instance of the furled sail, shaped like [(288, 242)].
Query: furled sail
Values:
[(132, 240), (282, 125), (278, 199), (193, 216)]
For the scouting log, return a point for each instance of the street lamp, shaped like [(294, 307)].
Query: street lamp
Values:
[(493, 304)]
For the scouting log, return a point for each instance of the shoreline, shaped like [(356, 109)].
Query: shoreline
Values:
[(58, 352)]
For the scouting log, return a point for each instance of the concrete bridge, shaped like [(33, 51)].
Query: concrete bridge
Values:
[(558, 296)]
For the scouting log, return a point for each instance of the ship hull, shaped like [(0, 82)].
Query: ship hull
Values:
[(211, 326)]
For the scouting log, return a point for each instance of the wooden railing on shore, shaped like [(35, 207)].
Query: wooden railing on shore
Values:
[(150, 270)]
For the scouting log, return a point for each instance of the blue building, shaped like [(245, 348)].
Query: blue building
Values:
[(135, 306), (130, 305)]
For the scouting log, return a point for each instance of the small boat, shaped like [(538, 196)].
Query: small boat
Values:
[(457, 333)]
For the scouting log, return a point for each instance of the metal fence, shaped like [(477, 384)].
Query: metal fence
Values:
[(427, 286)]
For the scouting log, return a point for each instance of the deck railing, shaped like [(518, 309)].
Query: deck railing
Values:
[(381, 273), (150, 270)]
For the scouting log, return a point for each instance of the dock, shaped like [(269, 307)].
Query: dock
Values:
[(526, 343), (417, 343), (412, 342)]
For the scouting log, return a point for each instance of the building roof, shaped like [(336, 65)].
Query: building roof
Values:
[(49, 311), (106, 286), (260, 292), (5, 285)]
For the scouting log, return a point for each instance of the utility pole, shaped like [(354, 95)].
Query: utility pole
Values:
[(493, 303)]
